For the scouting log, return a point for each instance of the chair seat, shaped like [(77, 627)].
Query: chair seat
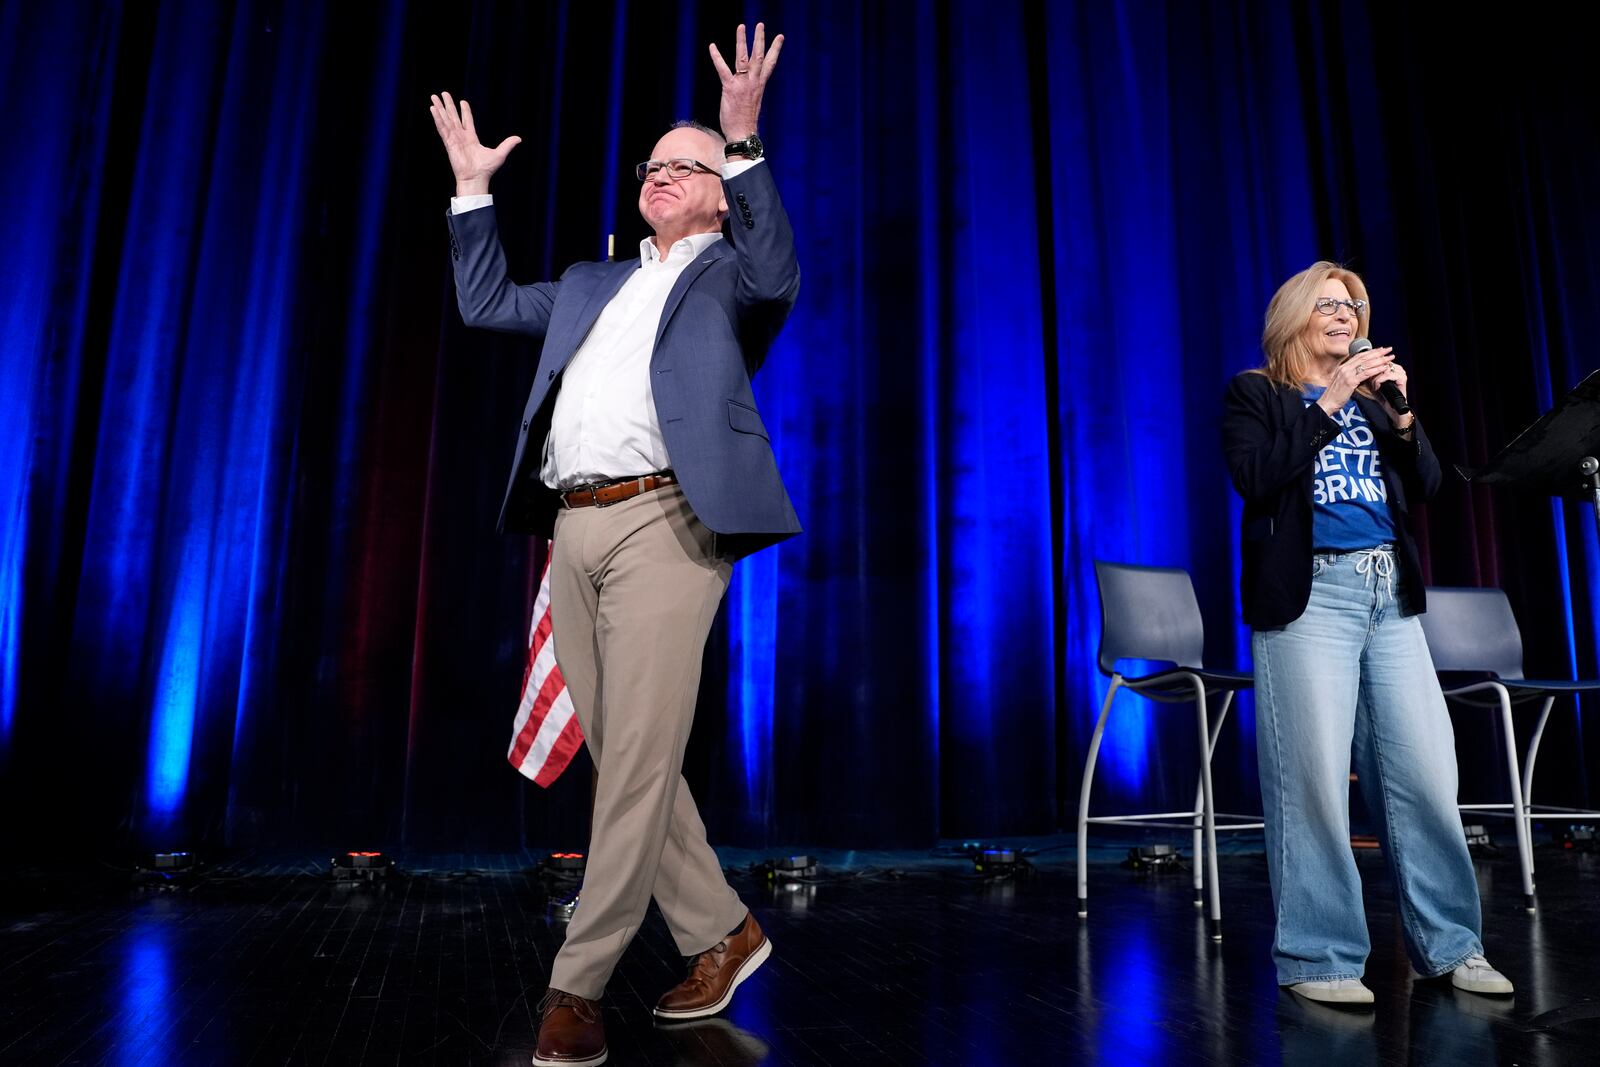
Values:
[(1553, 685), (1175, 682), (1519, 689)]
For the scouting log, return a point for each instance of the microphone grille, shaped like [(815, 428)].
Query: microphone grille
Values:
[(1360, 345)]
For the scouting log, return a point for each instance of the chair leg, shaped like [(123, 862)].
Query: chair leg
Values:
[(1199, 805), (1209, 809), (1083, 798), (1524, 847), (1527, 775), (1199, 844)]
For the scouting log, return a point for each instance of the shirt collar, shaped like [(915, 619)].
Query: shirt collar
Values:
[(681, 252)]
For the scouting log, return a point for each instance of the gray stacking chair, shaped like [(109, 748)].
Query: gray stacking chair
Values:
[(1150, 613), (1472, 631)]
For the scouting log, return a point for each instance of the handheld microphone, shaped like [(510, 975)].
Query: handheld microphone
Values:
[(1391, 392)]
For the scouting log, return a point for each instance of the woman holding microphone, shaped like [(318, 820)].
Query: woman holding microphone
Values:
[(1331, 588)]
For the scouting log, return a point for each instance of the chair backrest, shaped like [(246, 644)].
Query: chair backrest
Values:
[(1472, 630), (1148, 613)]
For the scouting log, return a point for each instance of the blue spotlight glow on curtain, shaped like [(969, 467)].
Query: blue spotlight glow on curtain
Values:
[(55, 182), (250, 457)]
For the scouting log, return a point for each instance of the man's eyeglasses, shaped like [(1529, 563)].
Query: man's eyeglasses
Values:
[(677, 169), (1328, 305)]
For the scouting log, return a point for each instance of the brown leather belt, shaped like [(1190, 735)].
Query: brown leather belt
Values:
[(604, 494)]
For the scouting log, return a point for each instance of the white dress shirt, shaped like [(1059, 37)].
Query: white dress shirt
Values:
[(604, 424)]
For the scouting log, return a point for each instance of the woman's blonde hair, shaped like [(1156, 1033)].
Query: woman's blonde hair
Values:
[(1288, 359)]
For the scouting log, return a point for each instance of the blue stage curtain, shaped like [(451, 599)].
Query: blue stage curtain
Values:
[(250, 459)]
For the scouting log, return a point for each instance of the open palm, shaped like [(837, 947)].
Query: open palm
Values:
[(743, 86), (473, 162)]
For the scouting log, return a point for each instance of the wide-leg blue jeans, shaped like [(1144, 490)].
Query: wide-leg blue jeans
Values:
[(1352, 676)]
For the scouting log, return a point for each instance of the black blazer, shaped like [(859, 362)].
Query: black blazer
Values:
[(1271, 437)]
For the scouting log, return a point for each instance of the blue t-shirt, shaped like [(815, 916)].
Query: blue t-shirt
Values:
[(1349, 498)]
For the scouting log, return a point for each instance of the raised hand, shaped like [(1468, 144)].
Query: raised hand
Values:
[(1367, 368), (472, 163), (1392, 372), (743, 85)]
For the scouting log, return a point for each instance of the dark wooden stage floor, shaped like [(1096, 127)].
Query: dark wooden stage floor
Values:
[(895, 958)]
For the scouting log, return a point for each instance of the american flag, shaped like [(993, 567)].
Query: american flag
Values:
[(546, 735)]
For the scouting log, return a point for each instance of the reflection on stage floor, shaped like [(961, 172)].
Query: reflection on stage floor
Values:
[(885, 958)]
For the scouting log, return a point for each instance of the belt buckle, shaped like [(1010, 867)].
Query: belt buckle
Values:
[(594, 493)]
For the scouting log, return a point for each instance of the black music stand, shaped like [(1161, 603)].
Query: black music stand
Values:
[(1556, 456)]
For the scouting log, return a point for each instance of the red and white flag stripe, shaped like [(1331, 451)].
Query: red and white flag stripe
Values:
[(546, 735)]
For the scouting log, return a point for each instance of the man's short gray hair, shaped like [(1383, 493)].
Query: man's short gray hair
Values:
[(715, 135)]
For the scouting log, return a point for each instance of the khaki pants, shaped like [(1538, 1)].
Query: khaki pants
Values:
[(634, 588)]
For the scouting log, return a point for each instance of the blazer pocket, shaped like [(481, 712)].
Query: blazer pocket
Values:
[(746, 419), (1260, 529)]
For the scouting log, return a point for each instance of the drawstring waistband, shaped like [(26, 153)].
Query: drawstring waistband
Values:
[(1377, 566)]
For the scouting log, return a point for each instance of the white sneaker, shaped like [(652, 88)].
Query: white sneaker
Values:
[(1339, 991), (1476, 976)]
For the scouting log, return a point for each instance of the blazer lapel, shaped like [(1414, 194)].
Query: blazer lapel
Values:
[(1292, 404), (717, 251)]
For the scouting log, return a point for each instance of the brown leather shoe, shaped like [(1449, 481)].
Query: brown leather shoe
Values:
[(570, 1031), (716, 973)]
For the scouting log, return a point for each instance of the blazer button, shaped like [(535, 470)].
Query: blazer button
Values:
[(524, 425), (551, 376)]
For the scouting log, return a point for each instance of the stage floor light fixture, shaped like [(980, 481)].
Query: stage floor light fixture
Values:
[(1154, 859), (566, 864), (165, 869), (789, 869), (361, 867), (560, 870), (1002, 864), (996, 861)]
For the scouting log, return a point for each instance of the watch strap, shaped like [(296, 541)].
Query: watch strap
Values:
[(751, 148)]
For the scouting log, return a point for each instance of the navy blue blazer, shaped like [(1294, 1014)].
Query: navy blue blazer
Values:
[(721, 317), (1271, 438)]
